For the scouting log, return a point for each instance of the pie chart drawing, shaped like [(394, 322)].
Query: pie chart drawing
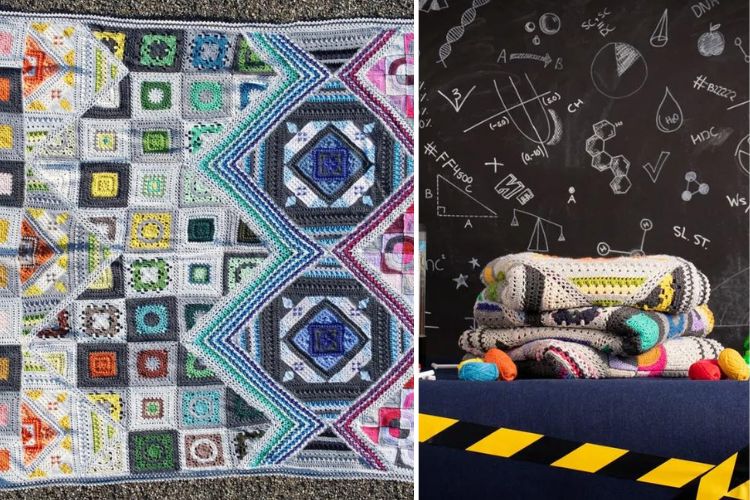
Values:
[(742, 154), (618, 70)]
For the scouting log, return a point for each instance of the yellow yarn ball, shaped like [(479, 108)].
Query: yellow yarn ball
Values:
[(733, 366), (470, 360)]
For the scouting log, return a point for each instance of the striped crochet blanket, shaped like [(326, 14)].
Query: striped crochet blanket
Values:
[(534, 282), (593, 317), (561, 359), (623, 329)]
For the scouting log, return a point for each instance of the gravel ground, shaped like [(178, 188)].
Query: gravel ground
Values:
[(261, 487), (239, 10)]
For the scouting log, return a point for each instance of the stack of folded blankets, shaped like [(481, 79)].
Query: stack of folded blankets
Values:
[(594, 317)]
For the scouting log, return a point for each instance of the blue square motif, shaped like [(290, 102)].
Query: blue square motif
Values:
[(152, 319), (209, 51), (201, 408)]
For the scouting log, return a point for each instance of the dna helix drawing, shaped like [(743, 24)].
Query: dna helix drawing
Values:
[(455, 33)]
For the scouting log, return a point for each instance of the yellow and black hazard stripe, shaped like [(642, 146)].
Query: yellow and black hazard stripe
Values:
[(698, 480)]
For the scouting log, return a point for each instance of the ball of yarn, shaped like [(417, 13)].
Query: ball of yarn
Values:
[(505, 365), (733, 366), (477, 371), (705, 369), (468, 359)]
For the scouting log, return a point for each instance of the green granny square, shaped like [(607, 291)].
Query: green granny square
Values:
[(158, 50), (153, 451), (155, 141), (206, 95), (156, 96), (199, 274)]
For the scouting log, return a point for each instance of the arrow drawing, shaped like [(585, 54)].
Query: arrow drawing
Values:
[(653, 172), (546, 59)]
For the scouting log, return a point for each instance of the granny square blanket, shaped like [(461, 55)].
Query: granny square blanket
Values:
[(206, 249)]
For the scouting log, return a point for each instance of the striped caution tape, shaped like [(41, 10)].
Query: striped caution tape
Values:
[(698, 480)]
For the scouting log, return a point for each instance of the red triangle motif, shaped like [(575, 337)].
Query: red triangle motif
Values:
[(34, 251), (38, 67), (36, 434)]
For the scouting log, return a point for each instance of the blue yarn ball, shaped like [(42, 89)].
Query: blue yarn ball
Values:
[(478, 372)]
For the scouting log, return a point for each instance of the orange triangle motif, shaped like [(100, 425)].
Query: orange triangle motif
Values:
[(40, 251), (38, 67), (36, 434)]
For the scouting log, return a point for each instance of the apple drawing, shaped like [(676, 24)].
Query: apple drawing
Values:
[(711, 43)]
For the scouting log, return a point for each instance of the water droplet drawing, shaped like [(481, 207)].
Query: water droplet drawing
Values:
[(669, 113)]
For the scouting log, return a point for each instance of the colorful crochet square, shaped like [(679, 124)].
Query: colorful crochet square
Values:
[(171, 196)]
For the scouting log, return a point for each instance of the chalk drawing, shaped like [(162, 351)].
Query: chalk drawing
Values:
[(557, 128), (472, 207), (738, 43), (742, 154), (461, 281), (692, 178), (660, 36), (729, 300), (546, 59), (494, 164), (603, 248), (474, 263), (655, 171), (618, 70), (711, 43), (455, 33), (432, 5), (549, 23), (538, 241), (602, 161), (669, 113), (458, 99), (572, 192)]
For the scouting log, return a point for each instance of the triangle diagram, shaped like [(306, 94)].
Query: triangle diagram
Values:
[(452, 201)]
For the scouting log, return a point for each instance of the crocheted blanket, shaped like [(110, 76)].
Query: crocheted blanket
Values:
[(205, 249), (594, 318), (535, 282), (622, 330), (562, 359)]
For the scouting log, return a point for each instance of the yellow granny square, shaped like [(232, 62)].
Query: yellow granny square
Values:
[(6, 137), (150, 230), (4, 230), (104, 184)]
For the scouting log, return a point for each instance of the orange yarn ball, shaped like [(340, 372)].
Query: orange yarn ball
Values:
[(705, 369), (733, 365), (505, 366)]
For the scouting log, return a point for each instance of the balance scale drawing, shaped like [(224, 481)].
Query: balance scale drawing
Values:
[(538, 241)]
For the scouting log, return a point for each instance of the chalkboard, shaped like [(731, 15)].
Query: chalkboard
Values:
[(582, 128)]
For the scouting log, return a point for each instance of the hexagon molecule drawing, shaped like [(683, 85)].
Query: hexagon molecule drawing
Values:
[(601, 160)]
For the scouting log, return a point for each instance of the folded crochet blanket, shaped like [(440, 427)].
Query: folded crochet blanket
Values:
[(634, 330), (534, 282), (560, 359)]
